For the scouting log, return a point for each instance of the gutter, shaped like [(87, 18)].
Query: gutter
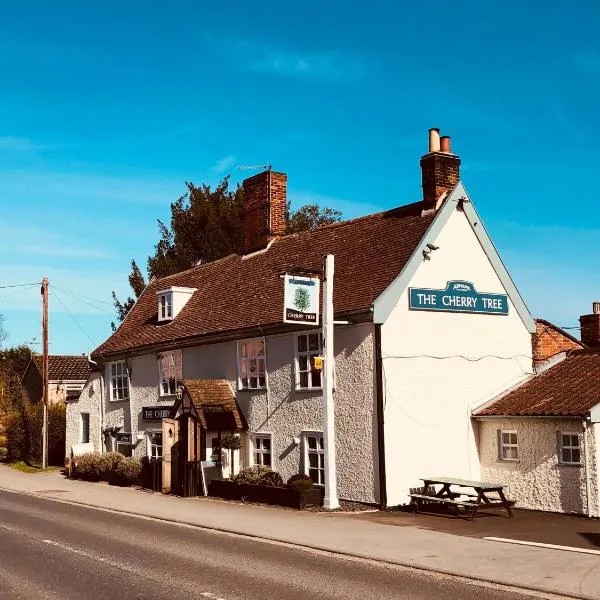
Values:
[(380, 419)]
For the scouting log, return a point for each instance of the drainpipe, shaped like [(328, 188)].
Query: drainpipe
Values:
[(93, 362), (586, 470)]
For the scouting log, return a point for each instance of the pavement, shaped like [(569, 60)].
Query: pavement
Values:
[(562, 572)]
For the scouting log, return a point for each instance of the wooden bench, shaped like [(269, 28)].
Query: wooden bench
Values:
[(467, 504)]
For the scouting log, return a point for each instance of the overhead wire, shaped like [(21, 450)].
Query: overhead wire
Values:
[(74, 319), (21, 290), (82, 301)]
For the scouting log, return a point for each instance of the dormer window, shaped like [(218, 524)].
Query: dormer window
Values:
[(165, 306), (171, 301)]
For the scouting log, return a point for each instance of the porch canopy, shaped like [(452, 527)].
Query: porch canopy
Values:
[(212, 402)]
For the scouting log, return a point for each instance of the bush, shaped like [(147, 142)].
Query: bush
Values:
[(251, 474), (128, 471), (271, 479), (88, 467), (300, 482), (3, 454)]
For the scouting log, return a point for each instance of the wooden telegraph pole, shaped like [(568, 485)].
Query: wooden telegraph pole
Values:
[(45, 370)]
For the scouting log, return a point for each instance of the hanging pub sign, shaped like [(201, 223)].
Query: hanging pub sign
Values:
[(301, 299), (459, 296), (155, 413)]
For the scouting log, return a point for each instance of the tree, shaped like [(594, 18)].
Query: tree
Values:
[(301, 299), (207, 224)]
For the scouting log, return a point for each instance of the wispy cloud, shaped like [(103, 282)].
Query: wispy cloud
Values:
[(18, 144), (224, 163), (588, 62), (331, 66)]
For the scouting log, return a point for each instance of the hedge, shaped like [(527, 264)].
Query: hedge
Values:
[(112, 467)]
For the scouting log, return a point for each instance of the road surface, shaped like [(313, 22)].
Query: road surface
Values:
[(56, 551)]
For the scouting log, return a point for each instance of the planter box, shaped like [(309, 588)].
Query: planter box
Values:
[(280, 496)]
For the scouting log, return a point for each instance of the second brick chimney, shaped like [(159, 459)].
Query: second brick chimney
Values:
[(440, 169), (265, 209), (590, 327)]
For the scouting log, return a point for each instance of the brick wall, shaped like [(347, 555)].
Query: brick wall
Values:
[(440, 173), (590, 329), (549, 340), (265, 209)]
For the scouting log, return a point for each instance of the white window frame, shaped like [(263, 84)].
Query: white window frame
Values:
[(562, 447), (247, 359), (165, 306), (309, 354), (89, 427), (502, 445), (320, 451), (259, 450), (73, 387), (115, 389), (173, 354), (151, 445)]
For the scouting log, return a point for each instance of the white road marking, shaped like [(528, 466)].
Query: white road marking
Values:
[(541, 545)]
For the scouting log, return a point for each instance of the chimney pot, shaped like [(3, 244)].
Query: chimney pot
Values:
[(434, 139), (445, 144)]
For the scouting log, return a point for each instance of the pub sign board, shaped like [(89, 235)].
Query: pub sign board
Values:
[(459, 296), (155, 413), (301, 299)]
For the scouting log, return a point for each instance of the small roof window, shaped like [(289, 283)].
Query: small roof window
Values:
[(171, 301)]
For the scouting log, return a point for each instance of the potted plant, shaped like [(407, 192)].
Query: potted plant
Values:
[(231, 442)]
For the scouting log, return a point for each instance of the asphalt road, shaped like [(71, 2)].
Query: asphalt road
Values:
[(51, 551)]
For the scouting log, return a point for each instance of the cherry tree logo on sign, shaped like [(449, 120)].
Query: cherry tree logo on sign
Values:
[(301, 299)]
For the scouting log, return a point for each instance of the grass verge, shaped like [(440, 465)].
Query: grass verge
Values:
[(25, 468)]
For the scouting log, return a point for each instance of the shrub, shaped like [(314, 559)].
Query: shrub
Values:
[(251, 474), (127, 471), (300, 482), (3, 454), (230, 441), (271, 479), (88, 467)]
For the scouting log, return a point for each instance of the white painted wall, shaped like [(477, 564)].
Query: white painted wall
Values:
[(88, 401), (538, 481), (428, 401)]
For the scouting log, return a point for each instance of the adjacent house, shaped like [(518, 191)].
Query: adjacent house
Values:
[(66, 377), (542, 438), (430, 327)]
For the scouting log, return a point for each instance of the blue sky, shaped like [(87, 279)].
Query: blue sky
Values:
[(107, 108)]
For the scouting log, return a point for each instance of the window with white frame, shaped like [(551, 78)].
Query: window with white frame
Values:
[(73, 391), (307, 347), (570, 450), (156, 444), (314, 457), (261, 450), (508, 445), (252, 369), (119, 381), (85, 428), (170, 372), (165, 306)]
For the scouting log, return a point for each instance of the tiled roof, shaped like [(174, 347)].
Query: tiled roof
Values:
[(215, 403), (569, 388), (61, 368), (236, 293)]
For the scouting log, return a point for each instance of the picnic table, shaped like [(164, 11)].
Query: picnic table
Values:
[(471, 501)]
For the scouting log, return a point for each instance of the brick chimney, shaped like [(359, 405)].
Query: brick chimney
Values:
[(590, 327), (440, 169), (265, 209)]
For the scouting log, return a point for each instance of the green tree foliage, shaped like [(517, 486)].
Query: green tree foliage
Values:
[(301, 299), (13, 362), (207, 224)]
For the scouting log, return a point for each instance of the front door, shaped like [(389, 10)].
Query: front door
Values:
[(170, 437)]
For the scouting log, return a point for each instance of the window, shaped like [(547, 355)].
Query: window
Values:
[(85, 428), (314, 454), (308, 346), (252, 364), (165, 306), (570, 450), (155, 444), (72, 391), (509, 448), (261, 454), (124, 448), (119, 381), (171, 372)]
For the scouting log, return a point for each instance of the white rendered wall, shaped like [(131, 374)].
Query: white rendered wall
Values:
[(430, 386), (537, 481), (88, 402)]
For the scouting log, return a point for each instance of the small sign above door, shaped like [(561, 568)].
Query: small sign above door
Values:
[(459, 296), (155, 413)]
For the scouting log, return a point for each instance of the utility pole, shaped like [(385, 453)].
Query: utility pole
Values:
[(331, 498), (45, 370)]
